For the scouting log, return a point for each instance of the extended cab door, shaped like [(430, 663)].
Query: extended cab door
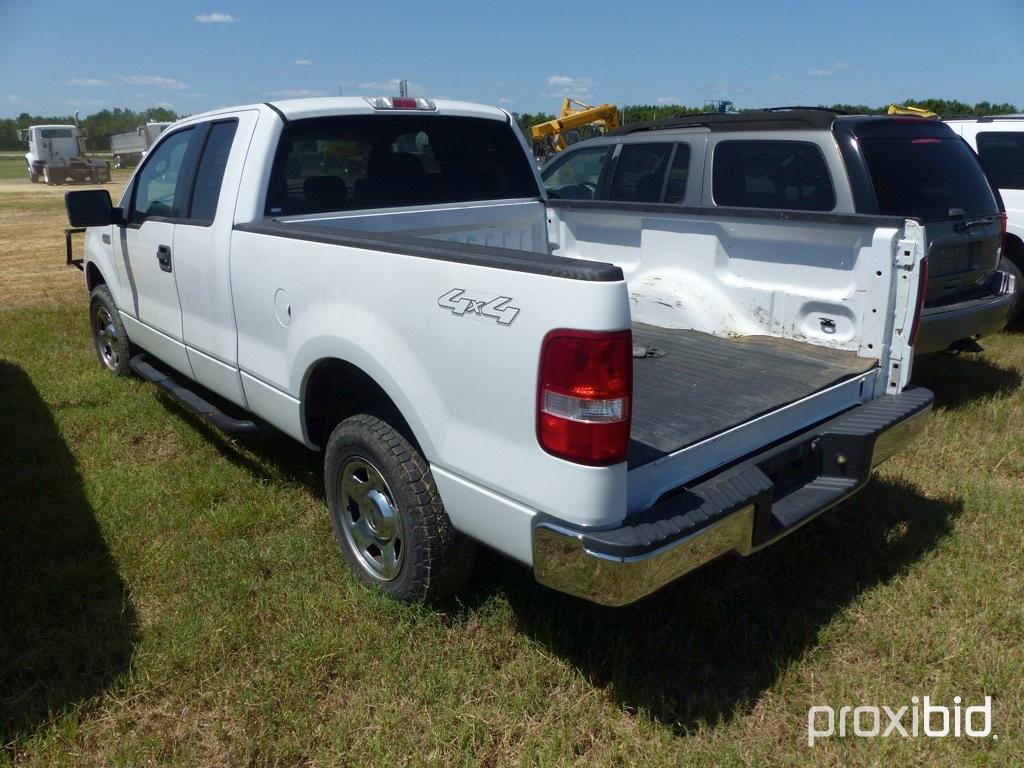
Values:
[(156, 201), (202, 245)]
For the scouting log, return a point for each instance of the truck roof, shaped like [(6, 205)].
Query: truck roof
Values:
[(54, 125), (327, 106)]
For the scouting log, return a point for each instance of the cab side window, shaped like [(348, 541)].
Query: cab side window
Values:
[(640, 173), (210, 173), (577, 175), (157, 190), (1002, 155)]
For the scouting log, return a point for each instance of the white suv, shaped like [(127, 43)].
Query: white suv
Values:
[(999, 142)]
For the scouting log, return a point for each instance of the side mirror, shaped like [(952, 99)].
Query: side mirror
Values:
[(91, 208)]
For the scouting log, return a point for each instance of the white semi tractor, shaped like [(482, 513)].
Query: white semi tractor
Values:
[(131, 146), (56, 154)]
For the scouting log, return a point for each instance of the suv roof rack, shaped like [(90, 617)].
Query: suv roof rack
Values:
[(776, 118), (984, 118)]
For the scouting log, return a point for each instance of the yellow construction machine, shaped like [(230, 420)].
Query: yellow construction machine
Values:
[(897, 109), (550, 137)]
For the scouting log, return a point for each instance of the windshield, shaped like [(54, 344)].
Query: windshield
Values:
[(927, 177)]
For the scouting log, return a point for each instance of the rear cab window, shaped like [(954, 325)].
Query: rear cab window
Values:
[(921, 169), (1002, 155), (378, 161), (773, 174)]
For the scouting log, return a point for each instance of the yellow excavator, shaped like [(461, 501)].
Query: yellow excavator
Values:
[(549, 137), (897, 109)]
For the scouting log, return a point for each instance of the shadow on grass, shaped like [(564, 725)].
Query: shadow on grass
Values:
[(704, 649), (960, 379), (67, 625)]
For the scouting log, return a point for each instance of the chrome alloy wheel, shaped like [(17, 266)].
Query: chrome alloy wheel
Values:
[(106, 338), (370, 519)]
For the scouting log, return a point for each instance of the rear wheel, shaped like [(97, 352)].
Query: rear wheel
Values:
[(387, 516), (109, 337)]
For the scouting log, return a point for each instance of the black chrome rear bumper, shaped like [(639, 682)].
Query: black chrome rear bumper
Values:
[(742, 509)]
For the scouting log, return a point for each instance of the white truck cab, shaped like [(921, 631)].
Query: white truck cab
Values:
[(999, 142), (56, 154), (610, 393)]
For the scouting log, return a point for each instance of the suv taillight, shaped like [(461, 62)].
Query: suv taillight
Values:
[(1002, 235), (583, 394), (922, 289)]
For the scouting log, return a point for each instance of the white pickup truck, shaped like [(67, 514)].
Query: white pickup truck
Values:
[(611, 393)]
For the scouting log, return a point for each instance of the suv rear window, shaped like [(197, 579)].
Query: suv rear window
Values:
[(772, 174), (1002, 154), (380, 161), (926, 177)]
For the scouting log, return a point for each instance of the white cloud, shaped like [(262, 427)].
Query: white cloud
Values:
[(668, 100), (303, 62), (819, 72), (573, 87), (721, 89), (169, 83), (392, 85), (842, 65), (505, 101), (12, 99), (89, 81), (215, 18), (776, 78), (295, 93)]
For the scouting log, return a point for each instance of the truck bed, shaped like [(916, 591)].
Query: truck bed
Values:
[(706, 384)]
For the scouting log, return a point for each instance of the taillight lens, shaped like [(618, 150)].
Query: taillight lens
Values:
[(922, 289), (583, 395), (1002, 235)]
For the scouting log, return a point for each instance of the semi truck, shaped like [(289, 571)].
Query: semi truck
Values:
[(131, 146), (56, 154)]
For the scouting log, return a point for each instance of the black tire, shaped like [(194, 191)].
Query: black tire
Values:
[(109, 337), (1006, 265), (382, 500)]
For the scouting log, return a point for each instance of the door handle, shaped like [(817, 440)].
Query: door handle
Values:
[(163, 255)]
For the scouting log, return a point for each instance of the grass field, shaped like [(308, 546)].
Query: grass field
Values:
[(172, 596)]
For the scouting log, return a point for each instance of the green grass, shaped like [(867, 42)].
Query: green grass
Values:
[(12, 166), (171, 596)]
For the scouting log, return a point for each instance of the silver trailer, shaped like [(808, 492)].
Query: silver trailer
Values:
[(131, 146)]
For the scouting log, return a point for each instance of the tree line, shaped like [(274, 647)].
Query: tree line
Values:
[(101, 125), (98, 126)]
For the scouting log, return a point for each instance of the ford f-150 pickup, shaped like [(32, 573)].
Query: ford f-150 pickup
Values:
[(610, 393)]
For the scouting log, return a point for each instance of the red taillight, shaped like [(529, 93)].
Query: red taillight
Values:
[(922, 289), (583, 394), (926, 141), (402, 102)]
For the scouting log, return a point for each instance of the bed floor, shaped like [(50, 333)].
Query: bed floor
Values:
[(706, 384)]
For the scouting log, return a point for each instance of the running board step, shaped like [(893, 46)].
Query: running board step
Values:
[(192, 401)]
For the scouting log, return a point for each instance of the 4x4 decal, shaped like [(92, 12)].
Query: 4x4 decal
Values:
[(460, 302)]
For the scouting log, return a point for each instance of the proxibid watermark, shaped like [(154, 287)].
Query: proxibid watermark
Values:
[(920, 717)]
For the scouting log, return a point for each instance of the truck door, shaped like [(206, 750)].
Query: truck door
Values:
[(202, 243), (157, 200)]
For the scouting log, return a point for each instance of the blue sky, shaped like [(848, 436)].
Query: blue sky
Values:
[(56, 57)]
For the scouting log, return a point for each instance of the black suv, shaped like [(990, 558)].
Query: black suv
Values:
[(817, 160)]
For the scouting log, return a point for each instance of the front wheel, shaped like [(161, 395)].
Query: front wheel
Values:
[(109, 337), (387, 515)]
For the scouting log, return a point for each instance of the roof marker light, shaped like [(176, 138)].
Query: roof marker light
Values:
[(401, 102)]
